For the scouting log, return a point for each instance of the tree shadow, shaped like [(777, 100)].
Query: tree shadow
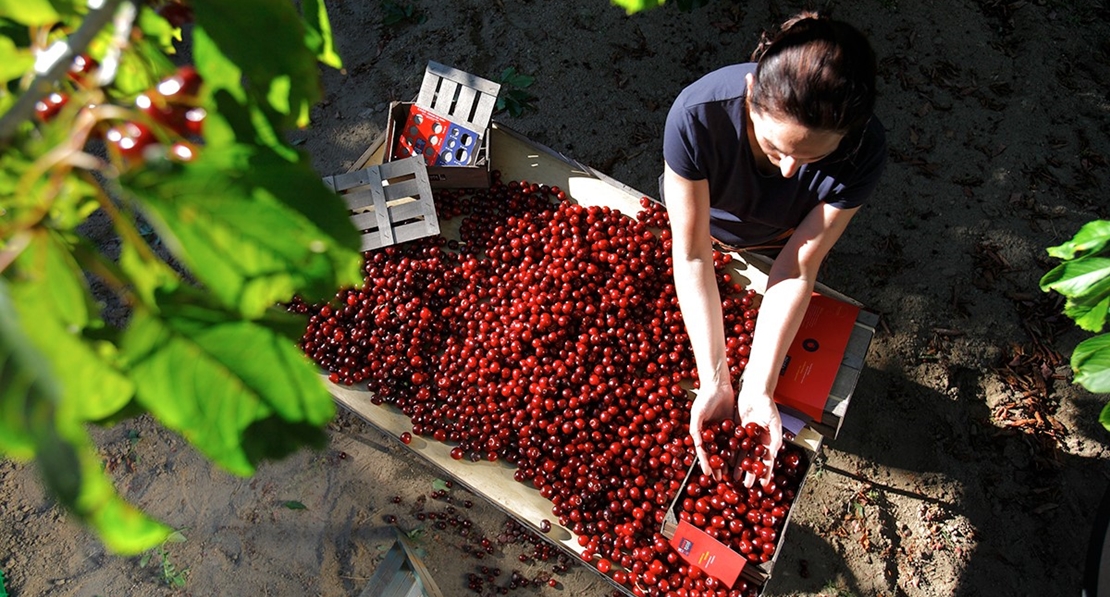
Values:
[(924, 458)]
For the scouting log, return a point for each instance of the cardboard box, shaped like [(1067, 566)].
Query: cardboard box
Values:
[(448, 125), (718, 559), (476, 176), (823, 363)]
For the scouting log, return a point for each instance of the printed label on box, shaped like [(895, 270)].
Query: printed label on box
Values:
[(438, 140), (814, 356), (710, 555)]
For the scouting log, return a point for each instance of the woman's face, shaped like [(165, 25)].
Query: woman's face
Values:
[(787, 144)]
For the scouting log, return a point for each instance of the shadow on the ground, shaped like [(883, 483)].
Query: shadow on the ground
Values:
[(938, 452)]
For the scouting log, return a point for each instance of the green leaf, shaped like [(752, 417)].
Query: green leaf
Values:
[(157, 29), (294, 505), (30, 12), (49, 289), (318, 34), (14, 61), (439, 485), (210, 376), (32, 424), (1091, 363), (1085, 283), (254, 228), (277, 57), (26, 385), (175, 537), (634, 6), (1092, 237)]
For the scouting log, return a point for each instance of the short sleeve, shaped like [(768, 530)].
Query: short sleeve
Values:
[(870, 162), (679, 142)]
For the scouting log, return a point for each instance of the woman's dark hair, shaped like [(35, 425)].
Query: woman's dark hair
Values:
[(818, 71)]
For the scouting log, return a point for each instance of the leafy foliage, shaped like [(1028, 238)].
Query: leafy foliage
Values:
[(513, 97), (634, 6), (1083, 278), (398, 13), (215, 232)]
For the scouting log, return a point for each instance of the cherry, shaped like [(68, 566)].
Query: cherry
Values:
[(176, 13), (82, 66), (406, 438), (48, 107), (131, 140), (182, 86)]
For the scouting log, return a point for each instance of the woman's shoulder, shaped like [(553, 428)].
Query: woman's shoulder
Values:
[(724, 84)]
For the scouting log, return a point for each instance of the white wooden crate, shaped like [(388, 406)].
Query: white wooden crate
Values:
[(390, 203), (458, 96)]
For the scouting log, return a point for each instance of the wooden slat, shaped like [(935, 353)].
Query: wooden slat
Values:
[(400, 190), (473, 81), (350, 180), (381, 210)]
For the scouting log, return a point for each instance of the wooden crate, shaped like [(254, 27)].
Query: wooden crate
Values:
[(458, 96), (462, 98), (390, 203), (401, 573)]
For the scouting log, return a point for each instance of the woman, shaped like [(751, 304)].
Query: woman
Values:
[(779, 153)]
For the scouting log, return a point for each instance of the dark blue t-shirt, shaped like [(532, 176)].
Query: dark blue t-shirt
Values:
[(705, 140)]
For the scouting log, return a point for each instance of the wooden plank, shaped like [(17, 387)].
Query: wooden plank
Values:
[(473, 81), (381, 211), (399, 189), (350, 180)]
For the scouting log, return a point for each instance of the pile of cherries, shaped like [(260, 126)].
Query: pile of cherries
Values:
[(548, 335)]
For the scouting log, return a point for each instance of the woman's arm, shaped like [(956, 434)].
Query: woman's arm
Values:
[(700, 302), (789, 287)]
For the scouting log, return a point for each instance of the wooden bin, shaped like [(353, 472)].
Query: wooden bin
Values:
[(518, 158)]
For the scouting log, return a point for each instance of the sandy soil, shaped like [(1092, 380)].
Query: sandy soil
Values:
[(968, 465)]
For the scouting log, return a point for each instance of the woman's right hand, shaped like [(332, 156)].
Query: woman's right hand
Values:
[(714, 404), (755, 407)]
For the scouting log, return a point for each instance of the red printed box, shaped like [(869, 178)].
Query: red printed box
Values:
[(823, 363)]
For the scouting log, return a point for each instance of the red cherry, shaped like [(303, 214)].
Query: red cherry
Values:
[(182, 86), (82, 65), (406, 438), (131, 140), (177, 14), (457, 453), (48, 107)]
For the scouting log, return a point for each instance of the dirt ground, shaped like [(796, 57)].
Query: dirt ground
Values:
[(968, 465)]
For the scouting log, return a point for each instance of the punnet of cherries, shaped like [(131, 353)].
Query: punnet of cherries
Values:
[(548, 335)]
